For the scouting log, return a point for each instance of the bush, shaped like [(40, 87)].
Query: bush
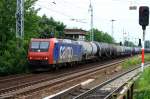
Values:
[(131, 62), (135, 61), (13, 60), (142, 86), (143, 94)]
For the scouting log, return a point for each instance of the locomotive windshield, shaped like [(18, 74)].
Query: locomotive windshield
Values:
[(39, 46)]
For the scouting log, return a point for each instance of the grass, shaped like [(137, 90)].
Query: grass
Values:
[(142, 85), (135, 61)]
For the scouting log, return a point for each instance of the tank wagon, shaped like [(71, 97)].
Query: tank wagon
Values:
[(53, 52)]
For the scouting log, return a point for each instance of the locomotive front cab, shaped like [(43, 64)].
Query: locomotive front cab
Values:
[(38, 52)]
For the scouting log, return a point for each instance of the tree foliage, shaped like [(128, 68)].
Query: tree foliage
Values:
[(129, 43), (49, 27), (147, 44), (13, 59), (100, 36)]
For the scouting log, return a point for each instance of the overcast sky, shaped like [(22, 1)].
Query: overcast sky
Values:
[(104, 11)]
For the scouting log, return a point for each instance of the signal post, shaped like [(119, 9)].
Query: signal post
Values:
[(143, 21)]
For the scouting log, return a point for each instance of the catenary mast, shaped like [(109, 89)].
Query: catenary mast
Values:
[(20, 19)]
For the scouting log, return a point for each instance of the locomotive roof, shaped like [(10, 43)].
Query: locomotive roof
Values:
[(40, 39)]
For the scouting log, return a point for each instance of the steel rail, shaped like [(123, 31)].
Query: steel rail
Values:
[(15, 78), (83, 95), (46, 79), (29, 88), (117, 89)]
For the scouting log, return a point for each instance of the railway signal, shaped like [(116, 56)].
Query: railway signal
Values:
[(143, 21), (144, 16)]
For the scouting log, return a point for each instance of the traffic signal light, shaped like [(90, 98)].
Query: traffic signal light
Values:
[(144, 16)]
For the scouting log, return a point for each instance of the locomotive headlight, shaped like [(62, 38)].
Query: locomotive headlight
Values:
[(30, 58), (46, 58)]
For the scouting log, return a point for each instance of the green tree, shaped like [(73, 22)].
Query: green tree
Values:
[(7, 22), (129, 43), (147, 44), (13, 59), (48, 26), (100, 36)]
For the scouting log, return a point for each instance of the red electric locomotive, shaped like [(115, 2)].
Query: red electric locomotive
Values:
[(47, 53)]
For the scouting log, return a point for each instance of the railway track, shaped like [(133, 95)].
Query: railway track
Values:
[(49, 80), (14, 77), (104, 90)]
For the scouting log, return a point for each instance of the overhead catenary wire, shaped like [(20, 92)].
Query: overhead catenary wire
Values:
[(61, 13), (56, 5), (65, 4), (69, 4)]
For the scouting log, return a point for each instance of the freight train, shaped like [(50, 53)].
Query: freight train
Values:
[(53, 52)]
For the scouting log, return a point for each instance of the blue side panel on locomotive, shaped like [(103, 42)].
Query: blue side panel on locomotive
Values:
[(67, 52)]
